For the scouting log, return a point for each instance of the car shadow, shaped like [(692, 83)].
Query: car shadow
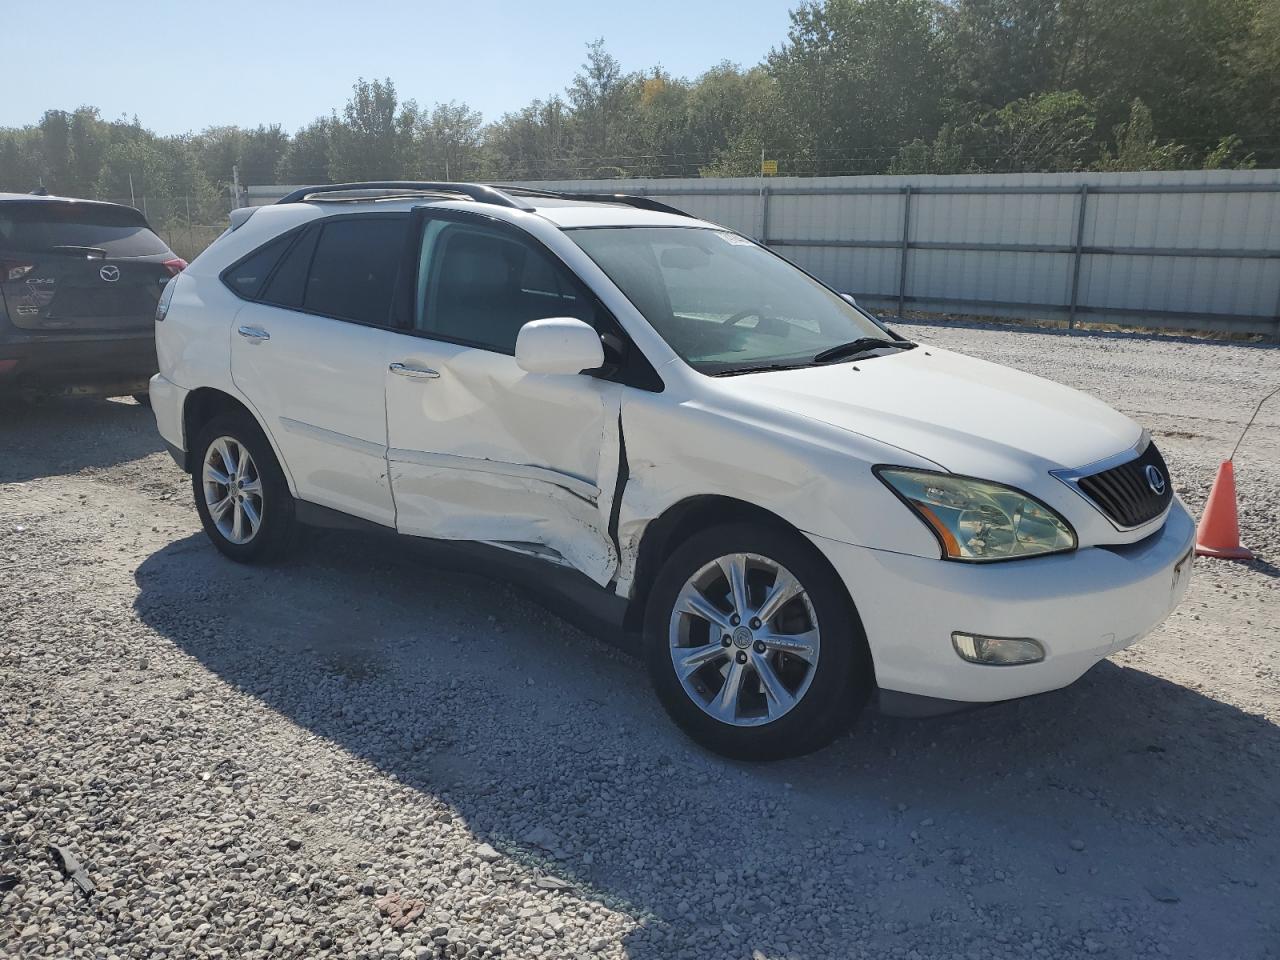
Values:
[(77, 429), (905, 834)]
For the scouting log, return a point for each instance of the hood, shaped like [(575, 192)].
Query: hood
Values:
[(968, 416)]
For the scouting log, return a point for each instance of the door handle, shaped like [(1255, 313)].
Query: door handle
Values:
[(254, 334), (417, 373)]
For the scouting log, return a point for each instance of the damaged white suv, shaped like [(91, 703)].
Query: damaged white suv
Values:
[(793, 506)]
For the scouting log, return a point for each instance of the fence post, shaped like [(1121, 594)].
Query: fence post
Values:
[(902, 257), (1276, 334), (1077, 257), (764, 215)]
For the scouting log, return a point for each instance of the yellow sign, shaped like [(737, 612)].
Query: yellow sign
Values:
[(769, 168)]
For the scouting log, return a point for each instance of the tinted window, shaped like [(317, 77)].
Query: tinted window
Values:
[(289, 282), (247, 277), (480, 285), (46, 225), (353, 271)]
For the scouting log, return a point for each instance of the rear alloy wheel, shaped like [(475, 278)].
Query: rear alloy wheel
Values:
[(232, 490), (753, 645), (240, 492)]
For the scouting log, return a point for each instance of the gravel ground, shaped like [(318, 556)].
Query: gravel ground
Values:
[(248, 761)]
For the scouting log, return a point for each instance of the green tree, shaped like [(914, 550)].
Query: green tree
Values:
[(136, 168), (857, 78), (999, 51), (21, 165), (450, 138), (1182, 58), (945, 154), (55, 150), (1052, 131), (1137, 147), (260, 153), (306, 157), (597, 98), (530, 144), (89, 137), (373, 140)]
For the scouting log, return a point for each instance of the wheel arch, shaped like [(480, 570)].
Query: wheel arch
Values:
[(202, 405), (688, 517)]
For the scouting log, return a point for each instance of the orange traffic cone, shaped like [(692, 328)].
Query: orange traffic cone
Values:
[(1218, 534)]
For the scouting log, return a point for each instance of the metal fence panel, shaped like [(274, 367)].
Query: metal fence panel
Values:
[(1188, 249)]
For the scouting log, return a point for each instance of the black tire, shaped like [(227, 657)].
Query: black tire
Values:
[(143, 399), (277, 532), (841, 681)]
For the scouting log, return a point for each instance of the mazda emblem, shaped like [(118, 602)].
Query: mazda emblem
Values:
[(1155, 480), (110, 273)]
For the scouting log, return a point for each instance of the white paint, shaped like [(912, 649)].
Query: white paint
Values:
[(487, 451), (1075, 604), (318, 384), (558, 345), (478, 448)]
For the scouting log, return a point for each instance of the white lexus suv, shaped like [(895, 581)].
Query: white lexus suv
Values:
[(794, 507)]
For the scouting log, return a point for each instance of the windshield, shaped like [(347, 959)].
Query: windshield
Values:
[(720, 301)]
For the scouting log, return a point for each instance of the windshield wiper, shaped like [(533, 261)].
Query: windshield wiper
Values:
[(758, 368), (844, 351)]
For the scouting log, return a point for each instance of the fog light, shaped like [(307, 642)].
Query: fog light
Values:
[(997, 651)]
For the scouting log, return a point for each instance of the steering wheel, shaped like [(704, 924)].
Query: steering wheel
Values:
[(741, 315)]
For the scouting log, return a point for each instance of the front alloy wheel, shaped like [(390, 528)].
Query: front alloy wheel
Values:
[(752, 643), (744, 639)]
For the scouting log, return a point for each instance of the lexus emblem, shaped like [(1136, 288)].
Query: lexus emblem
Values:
[(1155, 480), (110, 273)]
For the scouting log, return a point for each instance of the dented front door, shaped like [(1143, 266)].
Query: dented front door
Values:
[(481, 450)]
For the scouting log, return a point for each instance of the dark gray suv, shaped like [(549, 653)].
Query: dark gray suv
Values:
[(79, 283)]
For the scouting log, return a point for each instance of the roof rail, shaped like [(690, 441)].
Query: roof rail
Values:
[(630, 200), (479, 192)]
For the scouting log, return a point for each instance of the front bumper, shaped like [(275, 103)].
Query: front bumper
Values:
[(1081, 606), (99, 362)]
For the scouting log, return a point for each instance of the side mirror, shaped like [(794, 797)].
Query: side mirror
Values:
[(562, 345)]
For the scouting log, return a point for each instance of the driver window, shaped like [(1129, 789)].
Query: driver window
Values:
[(478, 285)]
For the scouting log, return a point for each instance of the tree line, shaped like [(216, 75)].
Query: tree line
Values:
[(855, 87)]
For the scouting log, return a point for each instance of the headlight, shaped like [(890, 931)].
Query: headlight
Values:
[(979, 521)]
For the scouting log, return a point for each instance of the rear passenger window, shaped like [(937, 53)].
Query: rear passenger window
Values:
[(248, 276), (353, 269), (289, 283)]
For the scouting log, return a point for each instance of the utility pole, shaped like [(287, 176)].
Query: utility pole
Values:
[(132, 201), (235, 187)]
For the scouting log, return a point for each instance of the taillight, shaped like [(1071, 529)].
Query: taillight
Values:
[(175, 266), (166, 295), (17, 269)]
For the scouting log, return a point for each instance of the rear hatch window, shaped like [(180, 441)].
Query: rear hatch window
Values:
[(78, 267), (53, 225)]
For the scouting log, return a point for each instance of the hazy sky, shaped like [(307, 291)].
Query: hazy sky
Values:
[(185, 66)]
